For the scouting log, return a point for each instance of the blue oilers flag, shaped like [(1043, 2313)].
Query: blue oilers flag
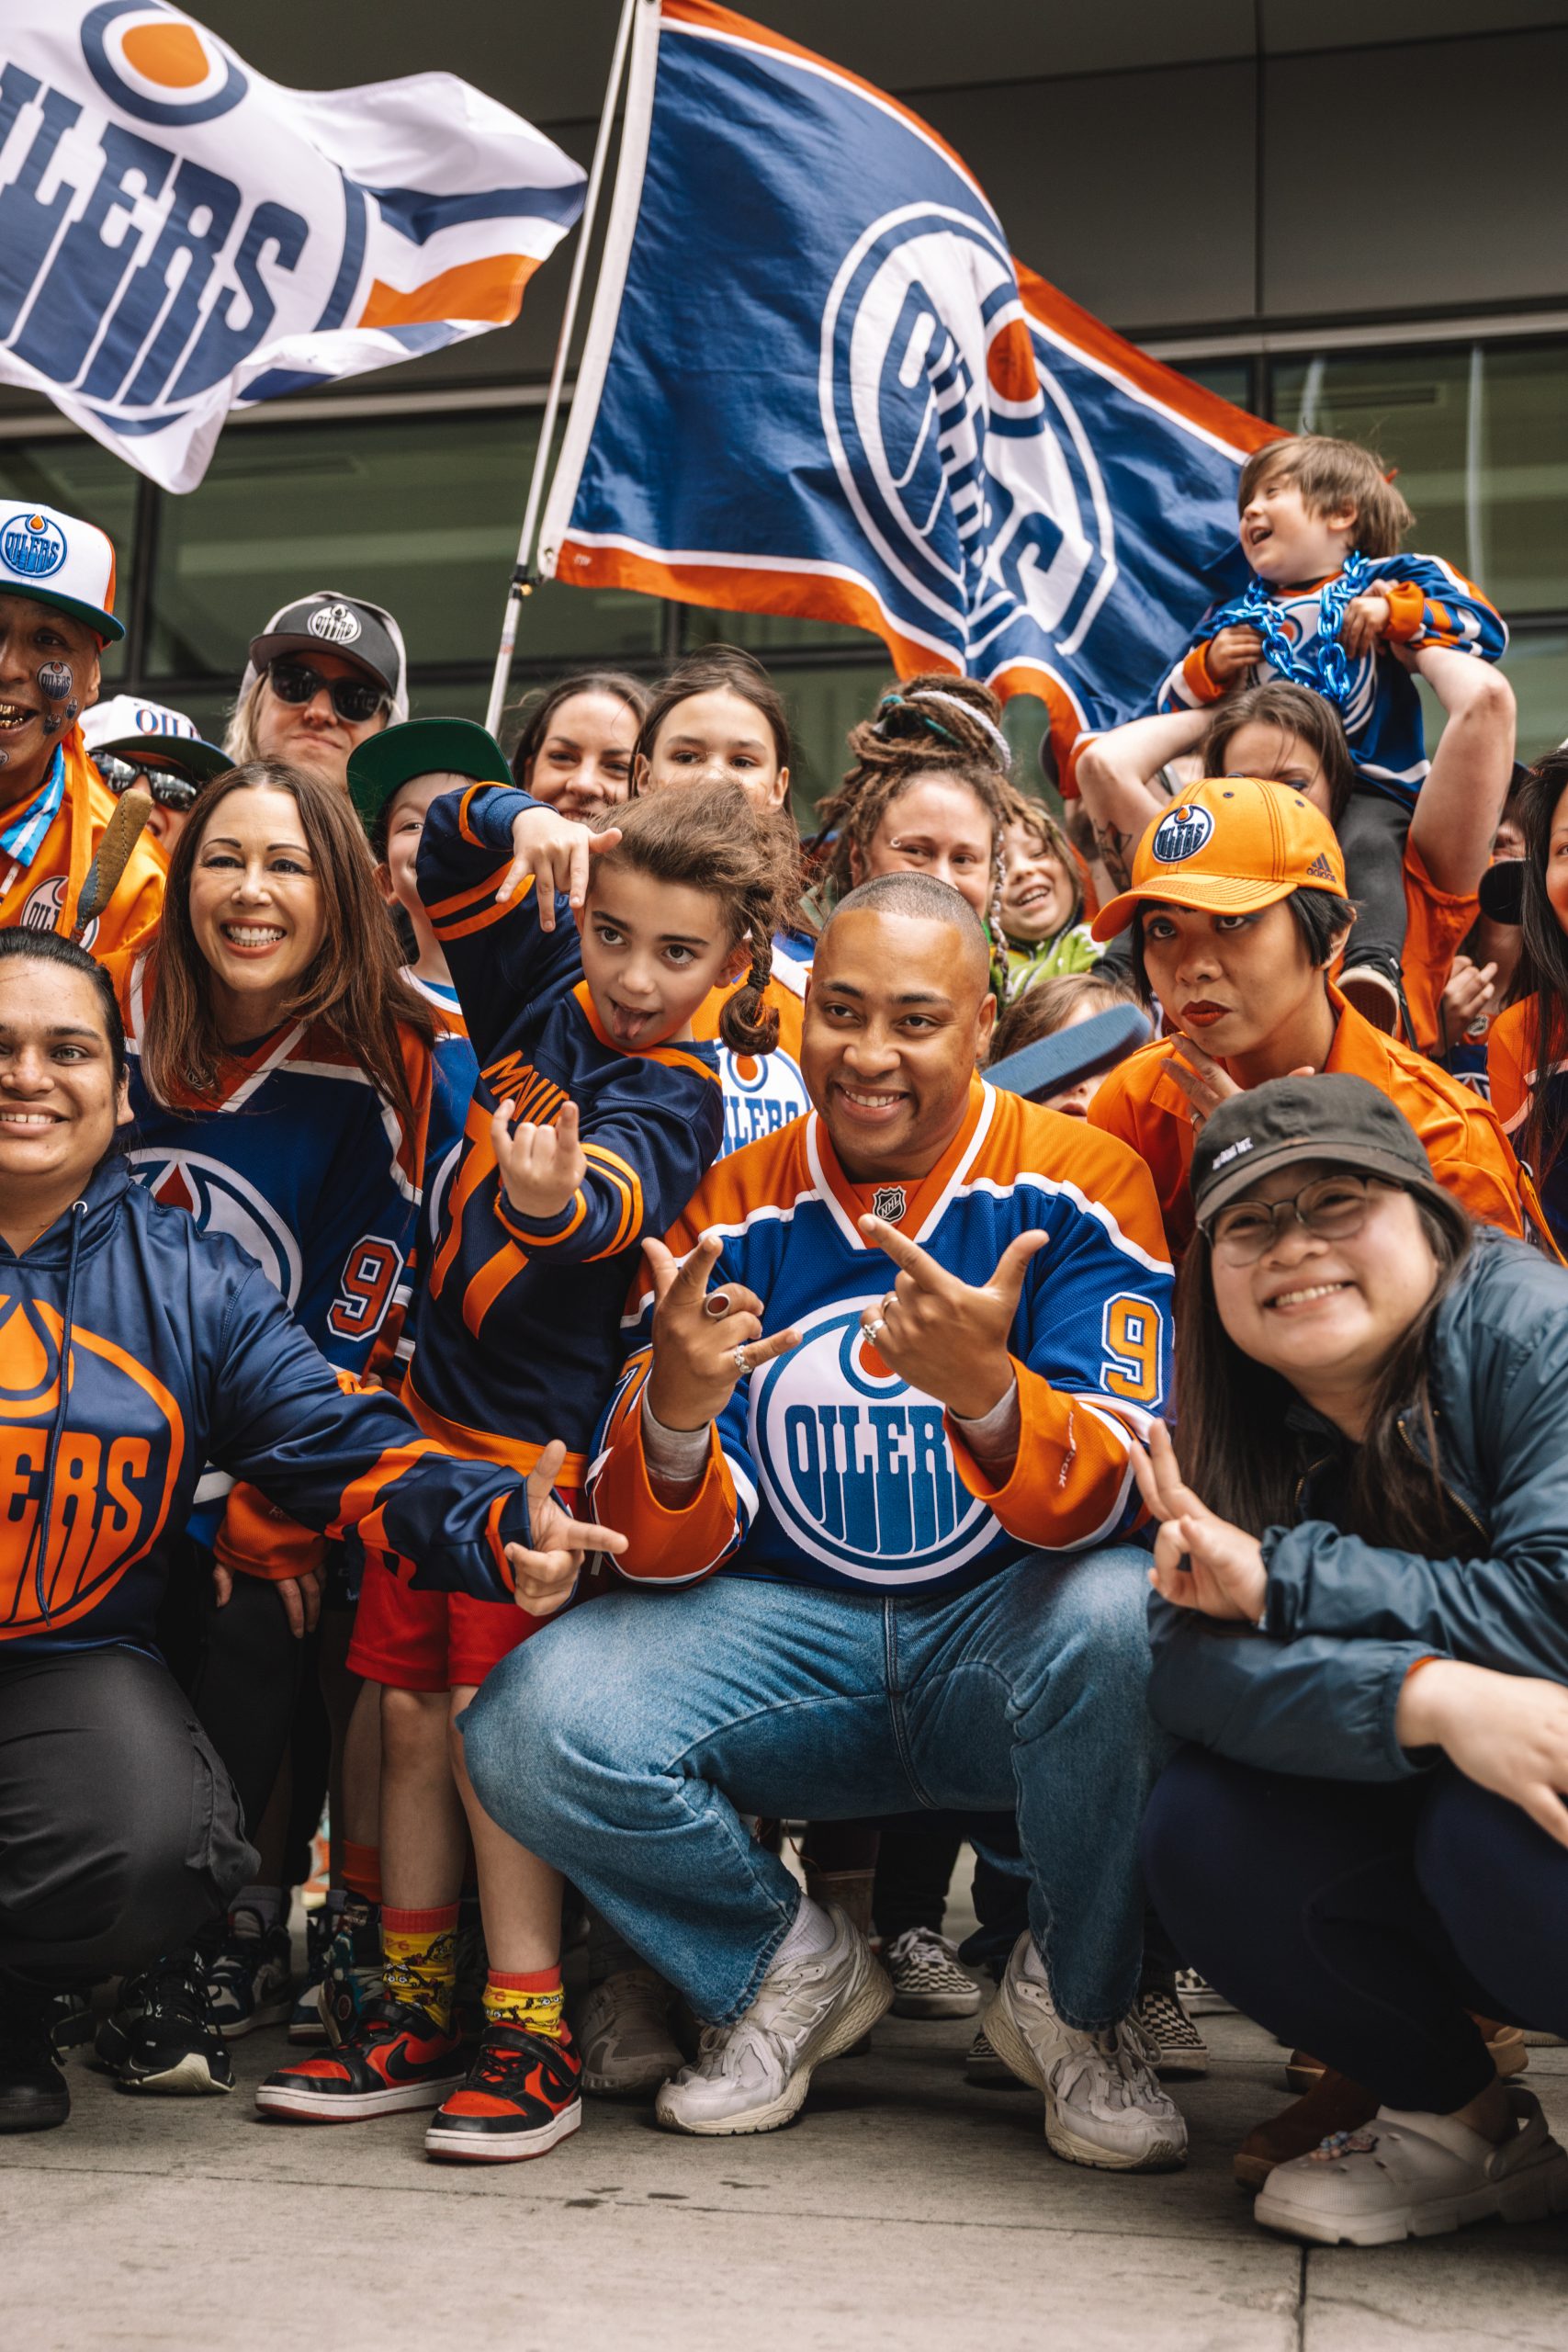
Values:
[(180, 236), (815, 381)]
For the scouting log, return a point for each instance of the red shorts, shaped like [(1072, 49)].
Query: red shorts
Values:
[(430, 1641)]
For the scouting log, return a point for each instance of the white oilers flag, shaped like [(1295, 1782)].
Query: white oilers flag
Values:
[(815, 381), (180, 236)]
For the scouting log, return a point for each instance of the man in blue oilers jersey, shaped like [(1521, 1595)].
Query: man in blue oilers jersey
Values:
[(872, 1449)]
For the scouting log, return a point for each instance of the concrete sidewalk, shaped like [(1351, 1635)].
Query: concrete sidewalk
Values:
[(904, 2208)]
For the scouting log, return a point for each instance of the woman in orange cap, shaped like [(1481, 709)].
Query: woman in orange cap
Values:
[(1238, 912)]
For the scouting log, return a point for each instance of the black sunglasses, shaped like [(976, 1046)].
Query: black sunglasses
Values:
[(354, 699), (169, 790)]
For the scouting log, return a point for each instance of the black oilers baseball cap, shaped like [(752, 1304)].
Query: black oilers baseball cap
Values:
[(1334, 1118), (327, 621)]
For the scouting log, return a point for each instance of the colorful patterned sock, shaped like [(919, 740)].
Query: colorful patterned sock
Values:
[(531, 2002), (419, 1958)]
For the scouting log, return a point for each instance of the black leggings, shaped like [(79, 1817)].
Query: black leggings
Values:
[(1371, 834), (1363, 1922), (119, 1830)]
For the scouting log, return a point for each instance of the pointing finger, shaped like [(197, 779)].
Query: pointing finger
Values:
[(904, 1252), (700, 1263), (761, 1351)]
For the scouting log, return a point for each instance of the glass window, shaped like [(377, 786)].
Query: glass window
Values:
[(75, 475), (1230, 378), (1536, 668), (1479, 436), (421, 514), (824, 704)]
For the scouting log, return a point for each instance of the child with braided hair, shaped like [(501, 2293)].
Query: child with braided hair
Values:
[(928, 793), (1333, 606)]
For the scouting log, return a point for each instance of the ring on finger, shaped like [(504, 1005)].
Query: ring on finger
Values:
[(872, 1329), (716, 1304), (743, 1362)]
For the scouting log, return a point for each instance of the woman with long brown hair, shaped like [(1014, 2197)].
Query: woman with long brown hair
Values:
[(281, 1081), (1359, 1627)]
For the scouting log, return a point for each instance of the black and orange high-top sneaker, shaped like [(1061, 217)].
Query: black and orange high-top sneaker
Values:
[(397, 2056), (520, 2097)]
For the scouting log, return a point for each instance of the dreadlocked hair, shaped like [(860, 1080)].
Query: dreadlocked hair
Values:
[(936, 724), (709, 837)]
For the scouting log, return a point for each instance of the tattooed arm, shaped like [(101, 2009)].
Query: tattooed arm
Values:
[(1118, 780)]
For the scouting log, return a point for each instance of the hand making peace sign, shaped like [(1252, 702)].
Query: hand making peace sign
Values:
[(944, 1336), (704, 1342), (1201, 1560), (545, 1572)]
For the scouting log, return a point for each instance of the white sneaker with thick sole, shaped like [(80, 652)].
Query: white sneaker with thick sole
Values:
[(1409, 2176), (1103, 2103), (754, 2075), (928, 1981), (627, 2047)]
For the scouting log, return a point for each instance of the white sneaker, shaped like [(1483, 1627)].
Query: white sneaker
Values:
[(754, 2075), (624, 2037), (927, 1979), (1103, 2103), (1416, 2175)]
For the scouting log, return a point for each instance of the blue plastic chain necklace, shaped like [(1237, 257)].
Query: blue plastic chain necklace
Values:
[(1324, 665)]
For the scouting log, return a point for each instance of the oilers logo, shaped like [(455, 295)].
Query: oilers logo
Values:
[(223, 1201), (334, 623), (985, 499), (1181, 833), (40, 910), (110, 1493), (856, 1465), (761, 1093), (33, 546)]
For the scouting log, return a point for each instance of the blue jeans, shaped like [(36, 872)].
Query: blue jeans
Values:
[(626, 1739)]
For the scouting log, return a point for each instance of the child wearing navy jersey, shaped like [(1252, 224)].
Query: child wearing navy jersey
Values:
[(580, 961)]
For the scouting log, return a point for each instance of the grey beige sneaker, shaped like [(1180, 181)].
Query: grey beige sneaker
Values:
[(753, 2075), (1103, 2105), (624, 2035)]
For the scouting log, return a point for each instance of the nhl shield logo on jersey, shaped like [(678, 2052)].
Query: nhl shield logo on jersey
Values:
[(1181, 833), (33, 546), (111, 1493), (889, 1200), (856, 1465)]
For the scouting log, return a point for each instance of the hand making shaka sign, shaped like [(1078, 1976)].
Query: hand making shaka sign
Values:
[(705, 1341), (943, 1335)]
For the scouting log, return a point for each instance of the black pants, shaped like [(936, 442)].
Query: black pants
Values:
[(119, 1830), (241, 1666), (1371, 834), (1363, 1922)]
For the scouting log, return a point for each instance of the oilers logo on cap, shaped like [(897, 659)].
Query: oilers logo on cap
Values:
[(855, 1463), (1181, 833), (33, 545), (335, 625)]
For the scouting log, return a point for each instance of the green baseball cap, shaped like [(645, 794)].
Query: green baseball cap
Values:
[(383, 763)]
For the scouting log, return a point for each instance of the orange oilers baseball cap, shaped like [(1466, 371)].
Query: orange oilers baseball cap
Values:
[(1233, 844)]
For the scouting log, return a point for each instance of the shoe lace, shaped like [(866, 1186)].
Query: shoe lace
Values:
[(922, 1948), (508, 2052), (794, 2003), (171, 1988)]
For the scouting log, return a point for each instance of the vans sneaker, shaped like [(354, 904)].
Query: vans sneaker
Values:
[(1181, 2050), (627, 2046), (753, 2075), (1103, 2105), (1406, 2175), (927, 1979)]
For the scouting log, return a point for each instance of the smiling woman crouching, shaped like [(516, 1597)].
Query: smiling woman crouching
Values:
[(1360, 1625)]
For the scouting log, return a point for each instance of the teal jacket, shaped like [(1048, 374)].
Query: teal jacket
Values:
[(1314, 1690)]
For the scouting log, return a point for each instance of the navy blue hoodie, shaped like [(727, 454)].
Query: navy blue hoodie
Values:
[(182, 1353)]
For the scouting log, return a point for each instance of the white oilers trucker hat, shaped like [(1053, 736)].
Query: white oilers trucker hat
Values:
[(128, 728), (58, 561)]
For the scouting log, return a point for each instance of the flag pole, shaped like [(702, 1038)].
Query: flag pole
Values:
[(522, 582)]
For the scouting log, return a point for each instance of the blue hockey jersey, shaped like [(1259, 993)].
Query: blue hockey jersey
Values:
[(826, 1469), (1431, 604), (517, 1331)]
